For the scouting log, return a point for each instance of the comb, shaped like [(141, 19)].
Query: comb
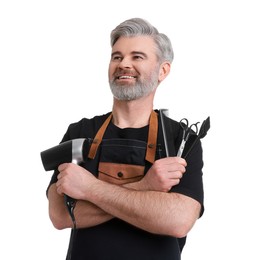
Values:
[(164, 112)]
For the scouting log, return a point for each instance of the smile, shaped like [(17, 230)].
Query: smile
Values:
[(126, 77)]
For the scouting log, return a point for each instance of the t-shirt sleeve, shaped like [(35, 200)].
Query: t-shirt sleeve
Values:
[(191, 183)]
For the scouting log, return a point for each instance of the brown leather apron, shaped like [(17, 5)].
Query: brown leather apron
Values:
[(123, 160)]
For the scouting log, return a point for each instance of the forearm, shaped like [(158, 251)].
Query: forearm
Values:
[(139, 185), (156, 212), (89, 215), (86, 213)]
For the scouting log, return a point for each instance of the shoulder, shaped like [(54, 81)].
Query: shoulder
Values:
[(86, 127), (168, 121)]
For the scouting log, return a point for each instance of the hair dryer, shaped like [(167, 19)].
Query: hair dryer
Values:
[(70, 151)]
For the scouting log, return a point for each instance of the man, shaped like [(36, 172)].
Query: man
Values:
[(133, 202)]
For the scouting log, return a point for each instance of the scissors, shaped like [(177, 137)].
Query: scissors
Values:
[(187, 131)]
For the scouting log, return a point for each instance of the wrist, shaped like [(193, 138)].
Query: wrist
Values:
[(139, 185)]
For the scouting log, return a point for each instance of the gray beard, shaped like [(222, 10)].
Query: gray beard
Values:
[(133, 92)]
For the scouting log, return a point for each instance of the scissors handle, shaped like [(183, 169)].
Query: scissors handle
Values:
[(187, 131)]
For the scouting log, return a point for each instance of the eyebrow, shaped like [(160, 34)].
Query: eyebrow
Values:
[(133, 53)]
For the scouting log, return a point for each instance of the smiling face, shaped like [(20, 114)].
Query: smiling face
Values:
[(133, 68)]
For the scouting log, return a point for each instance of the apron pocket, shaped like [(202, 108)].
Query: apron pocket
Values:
[(119, 173)]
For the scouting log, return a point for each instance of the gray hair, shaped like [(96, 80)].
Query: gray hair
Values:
[(140, 27)]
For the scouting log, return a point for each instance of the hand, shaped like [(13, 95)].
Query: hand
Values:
[(164, 174), (73, 180)]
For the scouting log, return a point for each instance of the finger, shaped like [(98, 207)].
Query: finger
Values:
[(59, 191), (174, 182), (62, 167), (176, 159), (175, 176), (58, 186), (181, 161), (177, 168)]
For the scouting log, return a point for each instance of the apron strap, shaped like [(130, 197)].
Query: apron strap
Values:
[(151, 144), (152, 138), (98, 138)]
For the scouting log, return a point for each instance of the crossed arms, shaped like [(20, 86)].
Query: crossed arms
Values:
[(146, 204)]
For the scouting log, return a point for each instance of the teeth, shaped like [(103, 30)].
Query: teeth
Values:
[(126, 77)]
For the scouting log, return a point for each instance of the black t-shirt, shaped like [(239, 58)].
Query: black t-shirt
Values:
[(116, 239)]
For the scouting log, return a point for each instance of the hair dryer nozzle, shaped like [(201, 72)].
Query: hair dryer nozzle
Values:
[(69, 151), (53, 157)]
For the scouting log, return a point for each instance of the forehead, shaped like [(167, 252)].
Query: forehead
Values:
[(135, 44)]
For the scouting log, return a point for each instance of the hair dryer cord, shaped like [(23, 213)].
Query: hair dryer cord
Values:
[(71, 203)]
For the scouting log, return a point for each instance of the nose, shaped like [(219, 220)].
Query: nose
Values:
[(125, 63)]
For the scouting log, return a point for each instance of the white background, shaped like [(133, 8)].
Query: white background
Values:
[(53, 71)]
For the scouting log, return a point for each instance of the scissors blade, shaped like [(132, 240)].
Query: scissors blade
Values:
[(181, 148)]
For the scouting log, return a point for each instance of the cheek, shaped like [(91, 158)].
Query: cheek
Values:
[(151, 74), (111, 70)]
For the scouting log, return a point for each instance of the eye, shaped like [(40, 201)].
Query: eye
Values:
[(138, 57), (116, 58)]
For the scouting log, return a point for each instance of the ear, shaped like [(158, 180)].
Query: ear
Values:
[(164, 70)]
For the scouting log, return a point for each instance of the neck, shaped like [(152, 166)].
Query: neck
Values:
[(133, 114)]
